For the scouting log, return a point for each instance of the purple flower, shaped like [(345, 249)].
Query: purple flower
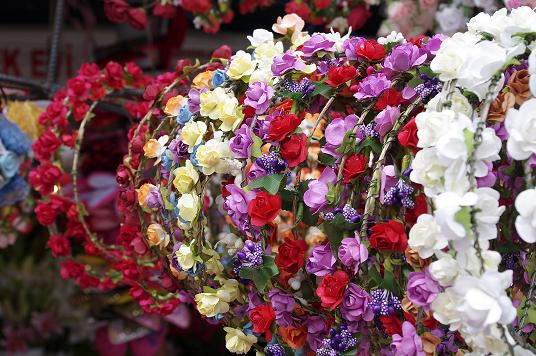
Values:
[(385, 120), (433, 44), (174, 261), (154, 198), (489, 179), (355, 306), (388, 180), (281, 301), (338, 127), (236, 203), (404, 57), (316, 331), (285, 63), (317, 42), (316, 195), (352, 252), (422, 289), (350, 47), (409, 344), (193, 99), (258, 96), (241, 143), (178, 149), (321, 261), (256, 172), (372, 86)]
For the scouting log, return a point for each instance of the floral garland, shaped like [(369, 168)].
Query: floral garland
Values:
[(294, 147), (463, 169)]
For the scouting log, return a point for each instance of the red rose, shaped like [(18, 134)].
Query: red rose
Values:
[(389, 236), (355, 164), (44, 177), (165, 11), (371, 50), (152, 91), (291, 255), (322, 4), (46, 145), (262, 317), (408, 135), (181, 64), (299, 8), (114, 75), (340, 75), (70, 269), (222, 51), (331, 289), (137, 18), (391, 324), (122, 176), (294, 149), (282, 126), (197, 6), (59, 245), (80, 110), (46, 215), (134, 70), (390, 97), (420, 208), (116, 10), (263, 209), (358, 16)]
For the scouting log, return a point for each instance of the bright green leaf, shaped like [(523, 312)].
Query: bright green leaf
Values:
[(270, 183)]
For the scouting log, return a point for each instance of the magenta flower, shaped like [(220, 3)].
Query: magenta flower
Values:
[(236, 203), (372, 86), (241, 143), (352, 253), (350, 47), (316, 195), (407, 344), (286, 62), (316, 331), (316, 43), (404, 57), (355, 306), (321, 261), (385, 120), (422, 289), (433, 44), (258, 97)]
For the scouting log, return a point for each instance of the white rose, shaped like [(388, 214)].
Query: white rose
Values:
[(526, 221), (444, 308), (188, 205), (425, 237), (521, 127), (448, 204), (212, 155), (488, 212), (192, 133), (428, 171), (393, 37), (241, 65), (444, 270), (458, 101), (483, 301), (470, 262), (260, 36), (520, 20), (487, 151), (532, 72), (433, 125)]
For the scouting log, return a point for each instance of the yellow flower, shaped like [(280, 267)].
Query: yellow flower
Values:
[(237, 342), (266, 52), (241, 65), (143, 191), (229, 291), (210, 102), (209, 304), (185, 177), (157, 236), (202, 80), (185, 257), (174, 104), (211, 156), (192, 133), (213, 264), (25, 114), (188, 205), (155, 148), (230, 114)]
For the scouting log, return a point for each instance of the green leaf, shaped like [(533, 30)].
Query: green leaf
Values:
[(270, 183), (325, 159), (389, 282), (469, 141), (336, 230), (323, 89), (167, 203), (415, 81), (207, 289), (463, 216), (348, 143), (262, 275), (256, 146)]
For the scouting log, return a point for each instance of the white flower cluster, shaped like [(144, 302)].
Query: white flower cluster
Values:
[(456, 149)]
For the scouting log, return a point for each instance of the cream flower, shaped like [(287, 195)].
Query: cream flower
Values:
[(237, 342), (210, 102), (185, 177), (229, 291), (241, 65), (185, 257), (212, 156), (444, 270), (260, 36), (290, 23), (521, 127), (425, 236), (210, 305), (526, 221), (188, 205), (157, 236), (192, 134)]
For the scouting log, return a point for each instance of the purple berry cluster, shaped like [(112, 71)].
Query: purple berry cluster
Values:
[(304, 86), (341, 341), (368, 130), (349, 213), (384, 302), (271, 163), (274, 350), (249, 256), (430, 88), (400, 193)]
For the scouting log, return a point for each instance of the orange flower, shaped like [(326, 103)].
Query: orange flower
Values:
[(202, 80), (412, 257), (519, 85), (294, 337), (429, 343), (500, 106)]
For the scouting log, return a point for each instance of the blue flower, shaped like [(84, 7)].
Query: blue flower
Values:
[(184, 115), (218, 78), (166, 160), (13, 138), (14, 191), (9, 164), (193, 158)]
